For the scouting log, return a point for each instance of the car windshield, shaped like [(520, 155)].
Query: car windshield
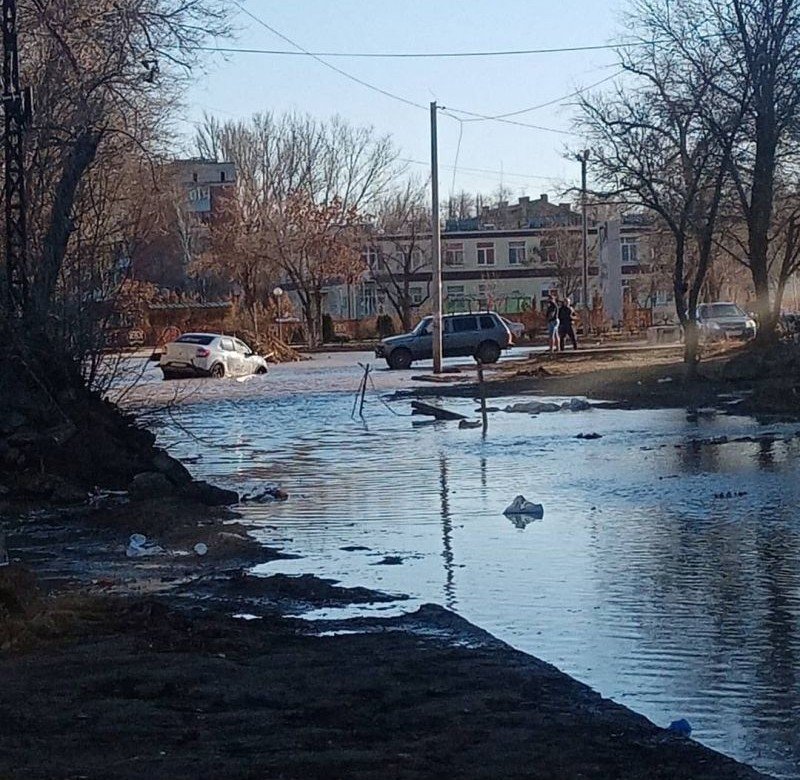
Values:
[(195, 338), (422, 327), (715, 310)]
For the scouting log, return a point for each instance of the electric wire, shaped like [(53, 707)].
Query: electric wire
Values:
[(455, 161), (425, 55), (319, 59)]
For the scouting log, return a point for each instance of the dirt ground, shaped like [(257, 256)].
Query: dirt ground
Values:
[(127, 667)]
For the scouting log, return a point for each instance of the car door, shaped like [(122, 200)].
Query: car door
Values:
[(245, 356), (229, 356), (462, 339)]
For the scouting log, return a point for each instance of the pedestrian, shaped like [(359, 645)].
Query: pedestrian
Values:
[(551, 316), (565, 316)]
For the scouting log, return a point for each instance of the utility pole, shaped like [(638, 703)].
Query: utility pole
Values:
[(17, 110), (582, 159), (436, 248)]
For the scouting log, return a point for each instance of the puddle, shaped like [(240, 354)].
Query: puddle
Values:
[(665, 572)]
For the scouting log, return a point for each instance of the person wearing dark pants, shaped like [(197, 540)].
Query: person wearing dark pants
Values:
[(565, 329)]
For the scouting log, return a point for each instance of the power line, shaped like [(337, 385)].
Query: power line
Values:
[(423, 55), (319, 59), (481, 170), (552, 102), (503, 121)]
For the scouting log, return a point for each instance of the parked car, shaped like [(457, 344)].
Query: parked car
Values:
[(209, 354), (729, 318), (483, 336), (517, 328)]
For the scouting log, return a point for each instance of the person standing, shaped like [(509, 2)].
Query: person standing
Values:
[(565, 316), (551, 316)]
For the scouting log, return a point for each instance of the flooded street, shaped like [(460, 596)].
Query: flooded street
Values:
[(665, 572)]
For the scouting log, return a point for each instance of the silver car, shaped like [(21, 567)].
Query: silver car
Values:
[(726, 318), (209, 354), (482, 335)]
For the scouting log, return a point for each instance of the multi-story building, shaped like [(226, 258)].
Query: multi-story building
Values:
[(514, 269)]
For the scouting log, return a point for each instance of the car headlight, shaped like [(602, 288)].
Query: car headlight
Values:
[(750, 324)]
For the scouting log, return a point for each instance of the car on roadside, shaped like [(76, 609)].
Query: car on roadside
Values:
[(209, 354), (483, 336), (517, 328), (727, 318)]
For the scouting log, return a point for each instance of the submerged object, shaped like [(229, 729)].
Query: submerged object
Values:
[(521, 506)]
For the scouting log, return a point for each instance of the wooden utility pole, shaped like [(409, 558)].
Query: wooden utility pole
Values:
[(582, 159), (17, 109), (436, 248)]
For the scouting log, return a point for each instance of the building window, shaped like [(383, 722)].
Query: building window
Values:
[(369, 256), (663, 297), (455, 291), (485, 253), (454, 254), (222, 175), (367, 300), (415, 294), (630, 250), (516, 252)]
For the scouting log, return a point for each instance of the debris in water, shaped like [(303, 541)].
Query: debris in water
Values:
[(200, 548), (138, 547), (589, 436), (266, 494), (388, 560), (681, 727), (532, 407), (521, 506), (469, 424)]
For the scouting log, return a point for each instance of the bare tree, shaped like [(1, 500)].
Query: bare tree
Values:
[(563, 249), (292, 168), (403, 248), (657, 146)]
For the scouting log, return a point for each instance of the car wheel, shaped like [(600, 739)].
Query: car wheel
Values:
[(168, 375), (217, 371), (399, 359), (487, 352)]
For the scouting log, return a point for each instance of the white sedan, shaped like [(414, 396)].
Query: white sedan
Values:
[(209, 354)]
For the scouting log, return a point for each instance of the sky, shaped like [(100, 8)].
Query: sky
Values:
[(529, 161)]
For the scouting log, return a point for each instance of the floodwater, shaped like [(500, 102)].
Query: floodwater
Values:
[(665, 572)]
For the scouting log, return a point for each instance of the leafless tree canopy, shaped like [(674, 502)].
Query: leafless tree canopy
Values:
[(292, 168)]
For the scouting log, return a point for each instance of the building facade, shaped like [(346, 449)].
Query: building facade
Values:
[(513, 270)]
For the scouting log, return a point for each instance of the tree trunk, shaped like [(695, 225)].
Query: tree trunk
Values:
[(691, 348)]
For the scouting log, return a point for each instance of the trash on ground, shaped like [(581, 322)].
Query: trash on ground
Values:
[(532, 407), (265, 494), (138, 547), (521, 506), (664, 380), (200, 548)]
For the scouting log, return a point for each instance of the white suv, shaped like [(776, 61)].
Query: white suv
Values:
[(209, 354)]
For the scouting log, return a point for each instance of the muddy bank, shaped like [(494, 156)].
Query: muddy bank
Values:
[(120, 667), (134, 688), (642, 378)]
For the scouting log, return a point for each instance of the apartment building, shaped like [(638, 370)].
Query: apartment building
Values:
[(512, 270)]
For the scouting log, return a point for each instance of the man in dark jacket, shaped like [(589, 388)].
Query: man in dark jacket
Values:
[(565, 329), (551, 315)]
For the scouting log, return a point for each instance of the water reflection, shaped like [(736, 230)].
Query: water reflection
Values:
[(639, 580), (447, 536)]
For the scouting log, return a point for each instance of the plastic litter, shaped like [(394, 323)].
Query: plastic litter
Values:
[(521, 506), (200, 548), (138, 547), (681, 727)]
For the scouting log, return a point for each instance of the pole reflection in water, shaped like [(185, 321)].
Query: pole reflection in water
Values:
[(447, 535)]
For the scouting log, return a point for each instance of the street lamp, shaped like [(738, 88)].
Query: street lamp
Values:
[(277, 292), (582, 159)]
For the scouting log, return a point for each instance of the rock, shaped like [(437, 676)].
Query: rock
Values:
[(576, 405), (521, 506), (171, 468), (589, 436), (150, 484), (211, 495), (680, 727), (532, 407), (389, 560)]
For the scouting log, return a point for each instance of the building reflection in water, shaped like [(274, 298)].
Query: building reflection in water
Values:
[(447, 535)]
